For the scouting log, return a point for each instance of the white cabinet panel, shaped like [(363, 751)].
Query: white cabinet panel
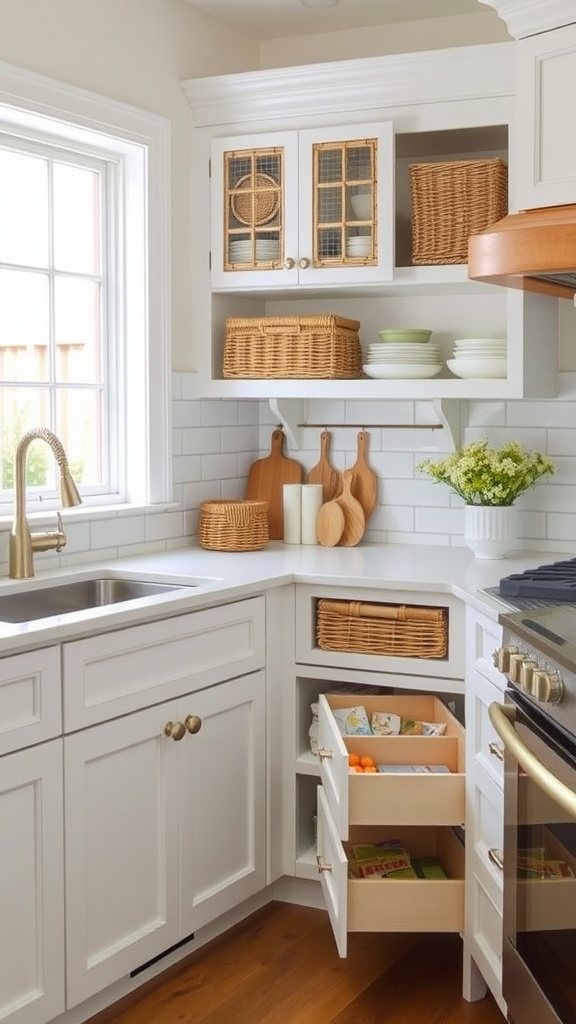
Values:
[(31, 885), (30, 701)]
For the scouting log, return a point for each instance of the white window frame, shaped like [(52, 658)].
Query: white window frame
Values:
[(139, 141)]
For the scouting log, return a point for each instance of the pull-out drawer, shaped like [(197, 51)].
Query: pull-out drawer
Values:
[(381, 798), (30, 698), (390, 905)]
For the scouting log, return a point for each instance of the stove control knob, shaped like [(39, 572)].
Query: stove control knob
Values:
[(527, 669), (547, 687), (514, 673), (501, 658)]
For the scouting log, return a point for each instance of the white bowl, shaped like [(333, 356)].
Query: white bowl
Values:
[(392, 371), (480, 369), (362, 206)]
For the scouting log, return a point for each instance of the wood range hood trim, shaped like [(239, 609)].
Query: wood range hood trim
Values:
[(533, 249)]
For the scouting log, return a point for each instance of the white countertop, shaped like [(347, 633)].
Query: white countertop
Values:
[(224, 576)]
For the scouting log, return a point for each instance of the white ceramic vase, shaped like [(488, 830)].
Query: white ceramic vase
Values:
[(488, 530)]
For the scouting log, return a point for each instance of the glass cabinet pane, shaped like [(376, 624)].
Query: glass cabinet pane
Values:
[(254, 209), (345, 203)]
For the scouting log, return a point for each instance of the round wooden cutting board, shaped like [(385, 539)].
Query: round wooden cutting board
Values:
[(330, 524)]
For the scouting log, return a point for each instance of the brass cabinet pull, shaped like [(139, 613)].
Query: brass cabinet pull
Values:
[(175, 730), (323, 753), (193, 723), (497, 750), (289, 263), (303, 263), (322, 866), (496, 857)]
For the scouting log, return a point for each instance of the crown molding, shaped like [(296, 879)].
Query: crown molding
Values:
[(397, 80), (530, 17)]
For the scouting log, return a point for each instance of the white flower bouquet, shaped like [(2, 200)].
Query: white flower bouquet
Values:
[(488, 476)]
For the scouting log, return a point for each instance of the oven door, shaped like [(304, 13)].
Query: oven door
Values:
[(539, 949)]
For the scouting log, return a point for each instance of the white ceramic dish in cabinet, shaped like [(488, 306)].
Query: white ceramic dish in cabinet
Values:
[(418, 799), (390, 905)]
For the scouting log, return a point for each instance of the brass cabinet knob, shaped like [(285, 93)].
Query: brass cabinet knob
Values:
[(303, 263), (289, 263), (175, 730), (193, 723), (322, 865)]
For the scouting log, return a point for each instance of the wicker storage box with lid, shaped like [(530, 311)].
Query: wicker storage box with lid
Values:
[(451, 201), (233, 525), (367, 628), (307, 347)]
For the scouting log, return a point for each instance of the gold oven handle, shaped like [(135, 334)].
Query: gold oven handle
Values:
[(503, 717)]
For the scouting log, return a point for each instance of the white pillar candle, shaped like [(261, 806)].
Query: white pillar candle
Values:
[(311, 502), (292, 506)]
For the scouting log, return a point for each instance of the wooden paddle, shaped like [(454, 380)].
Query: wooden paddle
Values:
[(323, 473), (364, 479), (266, 478), (354, 522), (330, 523)]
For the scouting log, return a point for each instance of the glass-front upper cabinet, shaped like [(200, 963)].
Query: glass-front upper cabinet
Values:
[(305, 207)]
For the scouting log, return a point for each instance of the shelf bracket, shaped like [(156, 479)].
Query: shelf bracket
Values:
[(290, 412), (452, 412)]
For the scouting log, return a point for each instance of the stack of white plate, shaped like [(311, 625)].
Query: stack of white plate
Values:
[(479, 358), (403, 359), (265, 249), (359, 245)]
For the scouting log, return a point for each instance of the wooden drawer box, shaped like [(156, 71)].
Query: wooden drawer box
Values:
[(390, 905), (357, 799)]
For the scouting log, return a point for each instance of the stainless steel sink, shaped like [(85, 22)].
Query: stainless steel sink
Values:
[(82, 595)]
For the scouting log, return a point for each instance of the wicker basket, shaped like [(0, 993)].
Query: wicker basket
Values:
[(451, 201), (233, 525), (323, 346), (399, 630)]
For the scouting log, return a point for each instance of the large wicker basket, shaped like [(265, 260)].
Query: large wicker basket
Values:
[(233, 525), (401, 630), (323, 346), (451, 201)]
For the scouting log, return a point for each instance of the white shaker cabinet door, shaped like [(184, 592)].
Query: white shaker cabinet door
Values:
[(31, 885), (222, 775), (121, 807)]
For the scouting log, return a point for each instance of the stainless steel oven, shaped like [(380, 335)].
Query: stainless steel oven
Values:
[(537, 725)]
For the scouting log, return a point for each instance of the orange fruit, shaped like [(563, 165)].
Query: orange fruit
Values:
[(367, 762), (353, 760), (369, 768)]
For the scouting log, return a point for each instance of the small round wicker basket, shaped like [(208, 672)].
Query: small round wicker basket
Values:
[(233, 525)]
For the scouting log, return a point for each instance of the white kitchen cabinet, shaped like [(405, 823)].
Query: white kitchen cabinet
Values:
[(484, 814), (162, 835), (31, 843), (545, 158), (303, 207), (31, 883), (444, 105)]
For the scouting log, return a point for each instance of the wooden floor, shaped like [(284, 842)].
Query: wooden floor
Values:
[(280, 966)]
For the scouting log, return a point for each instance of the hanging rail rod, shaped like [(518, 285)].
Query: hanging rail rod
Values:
[(382, 426)]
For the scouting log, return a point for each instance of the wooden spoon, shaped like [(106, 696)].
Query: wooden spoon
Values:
[(354, 522), (330, 524), (323, 473), (364, 479)]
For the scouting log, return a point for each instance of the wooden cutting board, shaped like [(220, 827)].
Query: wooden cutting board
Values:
[(354, 521), (364, 479), (324, 473), (266, 478), (330, 524)]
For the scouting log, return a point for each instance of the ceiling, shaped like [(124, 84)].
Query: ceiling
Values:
[(275, 19)]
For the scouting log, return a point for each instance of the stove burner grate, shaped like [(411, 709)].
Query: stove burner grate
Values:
[(555, 582)]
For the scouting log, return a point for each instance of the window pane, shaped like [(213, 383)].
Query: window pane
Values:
[(77, 330), (24, 326), (20, 410), (23, 209), (79, 425), (76, 219)]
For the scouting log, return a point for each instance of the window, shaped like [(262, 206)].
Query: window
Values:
[(84, 345)]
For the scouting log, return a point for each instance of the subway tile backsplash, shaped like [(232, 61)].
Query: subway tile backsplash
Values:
[(215, 442)]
